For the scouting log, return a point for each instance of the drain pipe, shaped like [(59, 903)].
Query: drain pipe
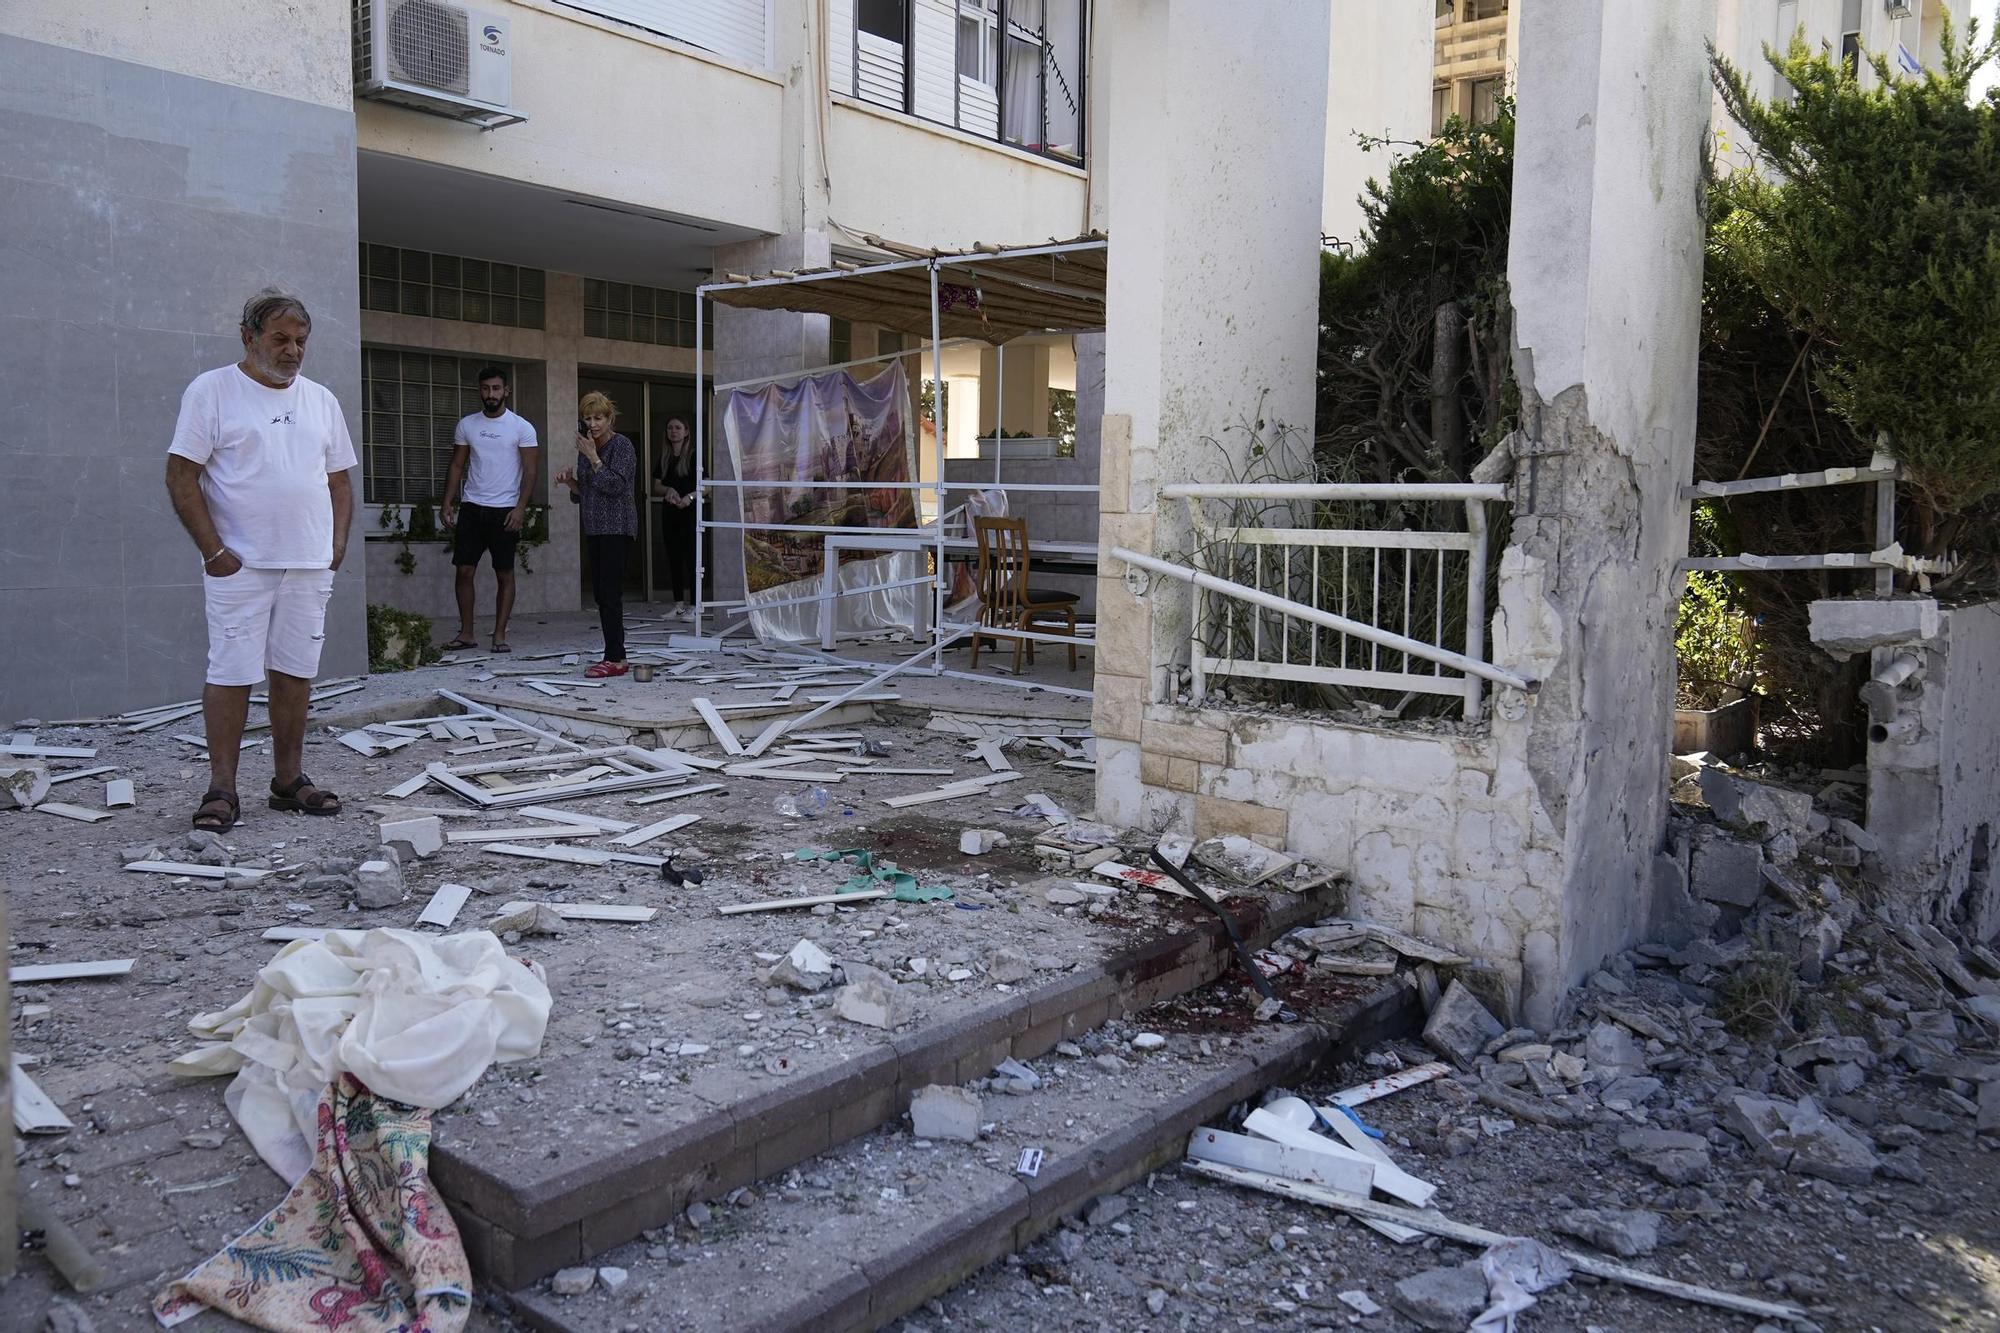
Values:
[(1881, 693)]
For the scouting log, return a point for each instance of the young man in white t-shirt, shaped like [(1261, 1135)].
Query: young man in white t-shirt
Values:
[(495, 453), (258, 475)]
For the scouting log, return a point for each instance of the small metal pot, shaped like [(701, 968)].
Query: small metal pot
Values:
[(642, 672)]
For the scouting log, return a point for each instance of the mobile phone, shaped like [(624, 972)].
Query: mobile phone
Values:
[(581, 427)]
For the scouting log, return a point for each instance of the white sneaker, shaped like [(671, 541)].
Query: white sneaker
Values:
[(680, 611)]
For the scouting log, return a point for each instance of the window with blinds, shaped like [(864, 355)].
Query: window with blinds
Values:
[(411, 403), (627, 312), (477, 291)]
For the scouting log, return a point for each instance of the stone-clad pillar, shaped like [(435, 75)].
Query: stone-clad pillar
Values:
[(1605, 277), (1217, 120)]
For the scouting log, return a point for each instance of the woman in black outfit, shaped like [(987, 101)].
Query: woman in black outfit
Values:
[(673, 481)]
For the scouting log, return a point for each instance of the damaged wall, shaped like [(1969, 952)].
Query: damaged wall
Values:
[(1605, 272), (1440, 835), (1934, 779)]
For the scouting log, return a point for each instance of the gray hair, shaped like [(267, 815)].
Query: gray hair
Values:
[(267, 305)]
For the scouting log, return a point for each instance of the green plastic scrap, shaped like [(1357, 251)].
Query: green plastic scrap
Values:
[(902, 885)]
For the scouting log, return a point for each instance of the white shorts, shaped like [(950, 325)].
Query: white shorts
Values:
[(265, 620)]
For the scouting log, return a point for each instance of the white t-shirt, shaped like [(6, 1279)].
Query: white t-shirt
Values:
[(494, 475), (265, 456)]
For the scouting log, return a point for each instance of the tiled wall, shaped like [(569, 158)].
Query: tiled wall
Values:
[(141, 207)]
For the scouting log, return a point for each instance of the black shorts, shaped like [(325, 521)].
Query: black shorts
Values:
[(483, 528)]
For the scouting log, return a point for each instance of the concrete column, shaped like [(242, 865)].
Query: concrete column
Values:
[(1605, 272), (559, 565), (1212, 303), (750, 343)]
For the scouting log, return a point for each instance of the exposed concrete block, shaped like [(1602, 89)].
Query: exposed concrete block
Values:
[(1460, 1026), (807, 967), (1215, 817), (1208, 745), (378, 884), (1846, 626), (414, 839), (1182, 774), (1153, 768), (938, 1112), (1747, 803), (1726, 870)]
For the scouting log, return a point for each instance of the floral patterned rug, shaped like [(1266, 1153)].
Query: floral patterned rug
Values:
[(362, 1244)]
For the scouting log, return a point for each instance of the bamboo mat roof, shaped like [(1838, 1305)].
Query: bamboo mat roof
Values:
[(992, 293)]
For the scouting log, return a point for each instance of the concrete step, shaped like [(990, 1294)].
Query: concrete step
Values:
[(531, 1198), (869, 1230)]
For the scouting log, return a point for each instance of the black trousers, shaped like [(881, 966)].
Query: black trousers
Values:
[(607, 586), (677, 535)]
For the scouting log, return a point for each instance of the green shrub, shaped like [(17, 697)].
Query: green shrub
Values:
[(398, 640)]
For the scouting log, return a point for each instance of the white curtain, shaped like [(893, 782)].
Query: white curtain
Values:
[(1023, 92)]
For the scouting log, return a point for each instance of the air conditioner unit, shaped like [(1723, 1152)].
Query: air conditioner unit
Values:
[(434, 56)]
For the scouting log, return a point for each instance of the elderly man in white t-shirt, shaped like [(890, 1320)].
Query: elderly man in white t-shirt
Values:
[(258, 474)]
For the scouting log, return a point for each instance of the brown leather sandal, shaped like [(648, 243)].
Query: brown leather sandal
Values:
[(218, 812), (318, 802)]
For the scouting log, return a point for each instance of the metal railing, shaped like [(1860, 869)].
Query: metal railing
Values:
[(1348, 607)]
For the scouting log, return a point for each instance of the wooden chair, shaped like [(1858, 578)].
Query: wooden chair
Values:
[(1006, 600)]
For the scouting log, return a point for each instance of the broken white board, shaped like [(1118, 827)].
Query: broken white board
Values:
[(118, 794), (1396, 1082), (723, 735), (82, 814), (1150, 880), (574, 819), (676, 794), (640, 836), (810, 900), (196, 871), (1389, 1178), (586, 911), (26, 972), (1348, 1174), (34, 1111), (286, 934), (444, 905)]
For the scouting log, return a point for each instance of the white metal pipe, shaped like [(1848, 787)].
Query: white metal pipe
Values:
[(1357, 628), (999, 409), (700, 414), (943, 589), (1901, 669), (1333, 491)]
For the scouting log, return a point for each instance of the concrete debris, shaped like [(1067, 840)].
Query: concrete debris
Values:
[(1148, 1041), (1758, 806), (1612, 1048), (1238, 858), (806, 968), (870, 998), (979, 841), (1445, 1299), (378, 884), (68, 1317), (207, 849), (1459, 1029), (941, 1112), (1105, 1209), (533, 919), (1725, 869), (1799, 1137), (1629, 1233), (573, 1281), (414, 839), (1359, 1302), (1675, 1157), (1009, 965), (613, 1278), (23, 786)]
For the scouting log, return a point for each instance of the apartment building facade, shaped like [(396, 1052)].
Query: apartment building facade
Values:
[(527, 182)]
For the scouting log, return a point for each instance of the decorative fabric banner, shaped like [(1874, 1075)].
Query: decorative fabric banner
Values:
[(362, 1244), (825, 428)]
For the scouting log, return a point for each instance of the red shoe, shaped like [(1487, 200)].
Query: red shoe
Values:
[(603, 669)]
